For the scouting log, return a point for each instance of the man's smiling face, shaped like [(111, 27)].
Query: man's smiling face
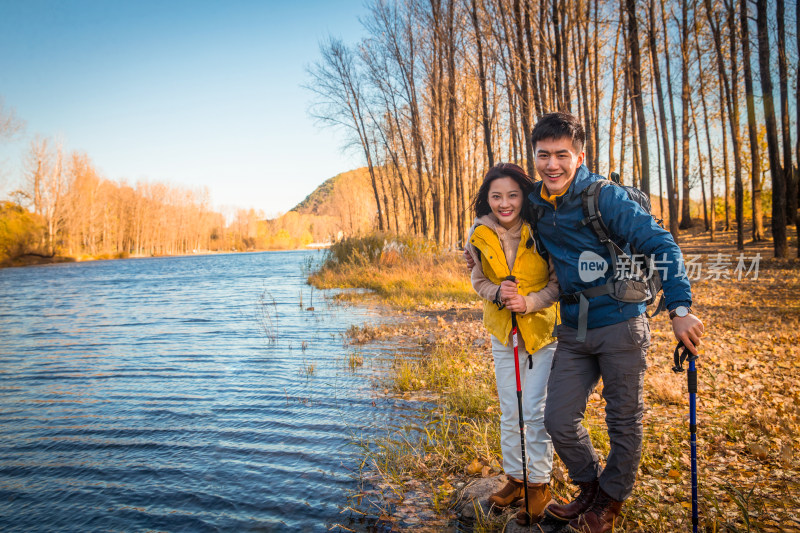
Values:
[(557, 160)]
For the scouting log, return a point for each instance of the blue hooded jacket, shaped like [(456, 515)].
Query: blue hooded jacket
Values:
[(570, 244)]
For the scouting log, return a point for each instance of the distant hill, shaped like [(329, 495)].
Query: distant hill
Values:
[(322, 200), (318, 197), (341, 206)]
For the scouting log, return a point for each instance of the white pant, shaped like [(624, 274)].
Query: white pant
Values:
[(538, 447)]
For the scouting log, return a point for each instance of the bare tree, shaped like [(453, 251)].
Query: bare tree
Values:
[(752, 127), (775, 170), (636, 94), (485, 118), (783, 84), (686, 216), (46, 186), (337, 82)]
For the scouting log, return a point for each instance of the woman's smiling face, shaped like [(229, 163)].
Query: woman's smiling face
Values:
[(505, 199)]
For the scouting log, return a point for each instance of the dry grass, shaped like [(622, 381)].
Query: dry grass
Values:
[(404, 272)]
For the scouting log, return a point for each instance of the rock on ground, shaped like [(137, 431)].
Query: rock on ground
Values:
[(474, 499)]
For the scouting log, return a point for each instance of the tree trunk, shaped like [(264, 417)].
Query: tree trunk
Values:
[(582, 31), (725, 167), (535, 94), (636, 93), (752, 127), (733, 115), (658, 147), (686, 216), (622, 144), (700, 167), (524, 95), (778, 181), (672, 204), (674, 122), (783, 83), (612, 126), (558, 56), (797, 108), (485, 119), (713, 218)]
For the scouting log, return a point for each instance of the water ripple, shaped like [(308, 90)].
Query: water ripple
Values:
[(144, 395)]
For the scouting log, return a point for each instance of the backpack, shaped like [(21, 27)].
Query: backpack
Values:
[(635, 277)]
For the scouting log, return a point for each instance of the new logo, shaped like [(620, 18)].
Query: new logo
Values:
[(591, 266)]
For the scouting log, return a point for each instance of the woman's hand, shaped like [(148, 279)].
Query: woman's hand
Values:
[(511, 298), (469, 260)]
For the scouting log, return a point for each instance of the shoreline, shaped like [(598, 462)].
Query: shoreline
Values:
[(58, 259)]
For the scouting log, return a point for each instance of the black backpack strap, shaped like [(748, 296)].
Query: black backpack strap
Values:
[(590, 200), (660, 306)]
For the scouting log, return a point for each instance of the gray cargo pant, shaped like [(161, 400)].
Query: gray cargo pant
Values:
[(617, 354)]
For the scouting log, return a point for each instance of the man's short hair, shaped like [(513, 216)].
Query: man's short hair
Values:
[(558, 126)]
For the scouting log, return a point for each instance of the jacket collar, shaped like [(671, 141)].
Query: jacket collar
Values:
[(581, 180)]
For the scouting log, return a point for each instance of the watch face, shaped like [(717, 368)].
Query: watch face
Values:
[(681, 311)]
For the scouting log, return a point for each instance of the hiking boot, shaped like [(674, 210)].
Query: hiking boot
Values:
[(600, 517), (533, 508), (511, 493), (566, 512)]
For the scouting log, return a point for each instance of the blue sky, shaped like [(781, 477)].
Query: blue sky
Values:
[(193, 93)]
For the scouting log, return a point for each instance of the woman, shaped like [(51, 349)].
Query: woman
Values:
[(501, 244)]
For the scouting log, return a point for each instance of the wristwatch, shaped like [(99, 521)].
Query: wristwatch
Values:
[(681, 310)]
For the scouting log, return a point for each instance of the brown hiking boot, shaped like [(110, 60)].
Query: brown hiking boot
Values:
[(600, 517), (511, 493), (533, 508), (566, 512)]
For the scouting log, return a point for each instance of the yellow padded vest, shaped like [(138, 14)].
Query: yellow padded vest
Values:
[(533, 274)]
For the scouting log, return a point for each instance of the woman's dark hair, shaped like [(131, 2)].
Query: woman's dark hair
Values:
[(504, 170), (559, 126)]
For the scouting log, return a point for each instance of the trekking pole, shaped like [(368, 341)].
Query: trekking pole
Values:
[(515, 339), (691, 375)]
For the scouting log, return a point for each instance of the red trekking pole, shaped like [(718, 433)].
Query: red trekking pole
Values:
[(515, 339)]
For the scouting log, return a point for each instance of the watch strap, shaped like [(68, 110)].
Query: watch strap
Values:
[(674, 312)]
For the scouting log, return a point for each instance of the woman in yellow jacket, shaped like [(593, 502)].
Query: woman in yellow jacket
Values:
[(501, 243)]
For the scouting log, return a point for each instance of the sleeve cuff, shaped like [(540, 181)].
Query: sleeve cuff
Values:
[(673, 305)]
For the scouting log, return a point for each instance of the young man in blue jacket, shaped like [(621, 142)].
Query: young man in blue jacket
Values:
[(610, 338)]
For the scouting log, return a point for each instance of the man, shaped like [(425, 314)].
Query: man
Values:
[(610, 338)]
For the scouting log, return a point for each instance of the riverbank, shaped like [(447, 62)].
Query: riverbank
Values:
[(748, 403), (40, 259)]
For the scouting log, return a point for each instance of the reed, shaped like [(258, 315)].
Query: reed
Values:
[(354, 360), (267, 316)]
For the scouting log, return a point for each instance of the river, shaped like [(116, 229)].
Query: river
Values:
[(180, 394)]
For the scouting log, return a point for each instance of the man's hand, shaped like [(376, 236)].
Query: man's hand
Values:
[(511, 297), (688, 329), (470, 261)]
